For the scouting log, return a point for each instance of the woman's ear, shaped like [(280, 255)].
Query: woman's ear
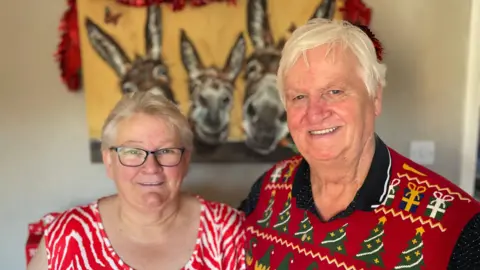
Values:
[(107, 162)]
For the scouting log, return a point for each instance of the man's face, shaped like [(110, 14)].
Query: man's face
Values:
[(329, 111)]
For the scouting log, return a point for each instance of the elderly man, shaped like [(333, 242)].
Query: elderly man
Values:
[(349, 201)]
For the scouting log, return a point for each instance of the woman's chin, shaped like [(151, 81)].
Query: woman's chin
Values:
[(154, 200)]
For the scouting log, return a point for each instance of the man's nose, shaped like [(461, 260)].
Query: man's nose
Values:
[(318, 109)]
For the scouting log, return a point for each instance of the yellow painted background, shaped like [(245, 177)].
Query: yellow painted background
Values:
[(213, 29)]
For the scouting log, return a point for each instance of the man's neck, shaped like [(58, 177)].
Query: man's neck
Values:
[(344, 175)]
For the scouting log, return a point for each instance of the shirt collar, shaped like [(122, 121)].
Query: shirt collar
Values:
[(368, 197)]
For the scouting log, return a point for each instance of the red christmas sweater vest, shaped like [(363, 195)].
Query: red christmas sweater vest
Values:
[(416, 227)]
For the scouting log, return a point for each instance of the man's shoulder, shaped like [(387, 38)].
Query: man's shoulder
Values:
[(404, 167), (442, 189)]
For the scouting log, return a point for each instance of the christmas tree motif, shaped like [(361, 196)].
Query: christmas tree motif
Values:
[(289, 172), (392, 189), (305, 230), (264, 262), (277, 173), (267, 215), (373, 245), (249, 251), (412, 257), (413, 194), (284, 218), (438, 205), (287, 261), (334, 240), (312, 266)]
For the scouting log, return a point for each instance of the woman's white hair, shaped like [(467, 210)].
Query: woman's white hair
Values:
[(318, 32), (150, 103)]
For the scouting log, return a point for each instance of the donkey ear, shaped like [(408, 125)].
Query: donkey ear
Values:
[(234, 63), (258, 25), (107, 48), (325, 10), (153, 32), (190, 57)]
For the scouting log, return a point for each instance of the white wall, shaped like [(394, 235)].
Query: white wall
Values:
[(44, 164)]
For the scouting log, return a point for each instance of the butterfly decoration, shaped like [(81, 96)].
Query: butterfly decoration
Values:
[(110, 17)]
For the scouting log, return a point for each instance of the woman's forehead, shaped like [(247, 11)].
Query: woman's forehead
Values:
[(142, 128)]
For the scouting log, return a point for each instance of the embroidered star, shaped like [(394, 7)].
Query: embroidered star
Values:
[(417, 253), (375, 230), (332, 234), (369, 246), (378, 240), (339, 248), (377, 261), (407, 258), (414, 241), (341, 230)]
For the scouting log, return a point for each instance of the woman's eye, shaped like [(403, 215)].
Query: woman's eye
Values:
[(165, 151)]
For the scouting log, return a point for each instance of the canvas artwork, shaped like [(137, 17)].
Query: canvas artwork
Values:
[(216, 62)]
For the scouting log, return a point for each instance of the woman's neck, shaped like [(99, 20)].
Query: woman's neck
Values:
[(147, 225)]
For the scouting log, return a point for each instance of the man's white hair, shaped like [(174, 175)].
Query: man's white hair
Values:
[(318, 32), (151, 103)]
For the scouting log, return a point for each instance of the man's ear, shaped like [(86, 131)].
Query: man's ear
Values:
[(107, 162), (377, 101)]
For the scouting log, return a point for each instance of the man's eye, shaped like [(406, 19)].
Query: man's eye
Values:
[(336, 92), (299, 97)]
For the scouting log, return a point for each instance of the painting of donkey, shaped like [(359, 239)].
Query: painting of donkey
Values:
[(144, 73), (264, 117), (211, 92)]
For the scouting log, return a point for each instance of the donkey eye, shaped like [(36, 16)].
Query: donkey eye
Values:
[(159, 72), (203, 101), (129, 87), (226, 100), (283, 117), (250, 110), (253, 68)]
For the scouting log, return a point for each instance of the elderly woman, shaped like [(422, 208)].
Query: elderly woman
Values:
[(349, 201), (149, 223)]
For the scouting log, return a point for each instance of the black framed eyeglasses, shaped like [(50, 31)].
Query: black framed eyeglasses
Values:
[(135, 157)]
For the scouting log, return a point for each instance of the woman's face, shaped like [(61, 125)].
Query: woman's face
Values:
[(150, 185)]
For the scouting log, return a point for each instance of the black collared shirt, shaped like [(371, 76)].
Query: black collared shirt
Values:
[(466, 254)]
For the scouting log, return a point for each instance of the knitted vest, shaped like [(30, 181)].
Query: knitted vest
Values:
[(416, 227)]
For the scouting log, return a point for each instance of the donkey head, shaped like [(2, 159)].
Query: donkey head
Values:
[(148, 73), (211, 90), (264, 117)]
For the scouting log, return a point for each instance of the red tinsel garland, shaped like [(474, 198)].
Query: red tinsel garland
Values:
[(68, 52), (355, 11)]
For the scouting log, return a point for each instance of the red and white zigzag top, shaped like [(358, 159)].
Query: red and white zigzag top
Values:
[(77, 240)]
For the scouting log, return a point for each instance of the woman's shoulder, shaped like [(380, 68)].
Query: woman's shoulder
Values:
[(74, 217), (221, 212)]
